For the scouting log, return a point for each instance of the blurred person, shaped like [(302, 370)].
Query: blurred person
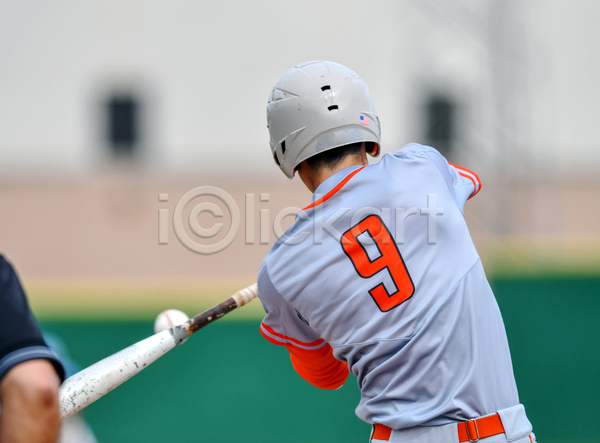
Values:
[(364, 282), (30, 372)]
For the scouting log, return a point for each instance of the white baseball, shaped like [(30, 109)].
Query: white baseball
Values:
[(169, 318)]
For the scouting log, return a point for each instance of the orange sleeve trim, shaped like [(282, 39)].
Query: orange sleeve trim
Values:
[(475, 190), (334, 190), (271, 339), (282, 343), (465, 170), (466, 173), (285, 337)]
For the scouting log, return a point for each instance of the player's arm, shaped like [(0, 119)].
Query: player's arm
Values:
[(29, 396), (462, 183), (313, 361), (30, 372), (312, 357)]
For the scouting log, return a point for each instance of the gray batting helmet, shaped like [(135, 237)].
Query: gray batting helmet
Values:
[(318, 106)]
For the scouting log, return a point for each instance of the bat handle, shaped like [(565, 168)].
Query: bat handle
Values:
[(245, 295)]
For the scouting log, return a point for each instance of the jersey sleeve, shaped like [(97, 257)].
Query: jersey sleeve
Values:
[(462, 183), (20, 336), (312, 357)]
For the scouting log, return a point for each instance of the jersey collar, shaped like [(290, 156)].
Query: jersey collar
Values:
[(333, 184)]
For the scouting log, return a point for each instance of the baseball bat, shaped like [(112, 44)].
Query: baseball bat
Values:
[(97, 380)]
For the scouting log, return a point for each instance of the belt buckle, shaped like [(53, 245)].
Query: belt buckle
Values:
[(469, 431)]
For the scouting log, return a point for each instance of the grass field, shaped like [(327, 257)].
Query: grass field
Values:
[(229, 384)]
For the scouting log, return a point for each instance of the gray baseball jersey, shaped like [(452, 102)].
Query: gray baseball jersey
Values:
[(382, 268)]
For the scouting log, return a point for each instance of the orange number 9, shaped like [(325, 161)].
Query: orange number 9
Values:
[(390, 259)]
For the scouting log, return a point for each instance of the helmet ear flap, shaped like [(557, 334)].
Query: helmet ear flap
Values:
[(372, 149), (279, 161), (276, 156)]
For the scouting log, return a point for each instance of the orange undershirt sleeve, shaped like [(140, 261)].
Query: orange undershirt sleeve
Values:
[(318, 366)]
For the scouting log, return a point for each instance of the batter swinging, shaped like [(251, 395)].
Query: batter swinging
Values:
[(379, 276)]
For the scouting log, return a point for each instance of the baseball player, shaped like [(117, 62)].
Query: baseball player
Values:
[(379, 277)]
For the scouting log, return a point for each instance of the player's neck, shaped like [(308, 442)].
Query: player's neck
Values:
[(313, 178)]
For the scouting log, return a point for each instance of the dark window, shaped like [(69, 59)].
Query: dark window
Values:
[(440, 121), (123, 122)]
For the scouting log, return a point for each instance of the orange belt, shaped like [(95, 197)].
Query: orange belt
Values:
[(473, 430), (470, 430)]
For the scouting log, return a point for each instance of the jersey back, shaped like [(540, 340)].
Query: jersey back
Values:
[(382, 267)]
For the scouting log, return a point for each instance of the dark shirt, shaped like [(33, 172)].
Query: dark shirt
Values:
[(20, 335)]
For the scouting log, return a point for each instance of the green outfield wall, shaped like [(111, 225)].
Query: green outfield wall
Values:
[(228, 384)]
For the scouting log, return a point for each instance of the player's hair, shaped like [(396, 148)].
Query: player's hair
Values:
[(332, 157)]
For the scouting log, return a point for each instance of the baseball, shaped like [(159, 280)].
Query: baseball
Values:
[(169, 318)]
